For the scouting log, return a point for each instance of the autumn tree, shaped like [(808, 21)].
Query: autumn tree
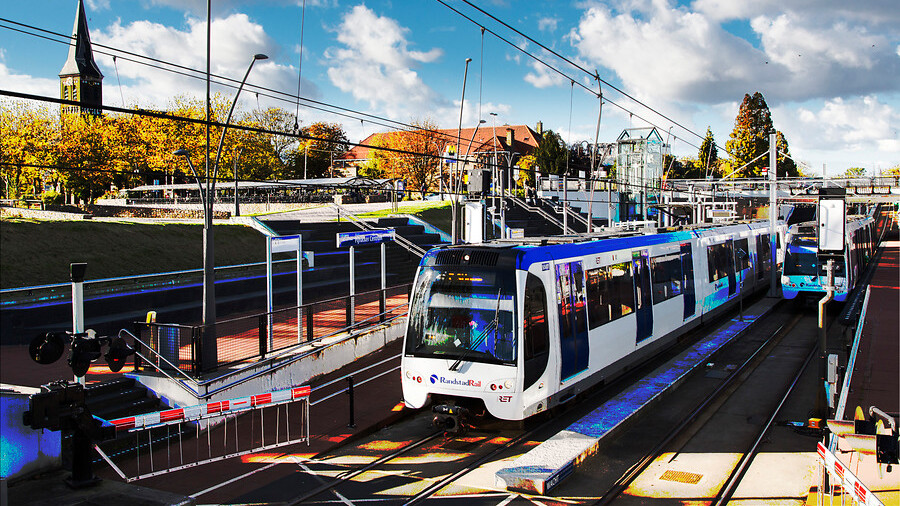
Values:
[(26, 134), (785, 166), (750, 137), (320, 144), (526, 171), (84, 150), (412, 155)]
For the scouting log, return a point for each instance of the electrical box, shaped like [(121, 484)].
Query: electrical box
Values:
[(473, 217), (479, 181)]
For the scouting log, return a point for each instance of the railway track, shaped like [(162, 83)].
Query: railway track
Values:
[(428, 481), (701, 418)]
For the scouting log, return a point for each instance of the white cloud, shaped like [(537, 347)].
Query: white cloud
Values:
[(668, 53), (874, 12), (823, 60), (25, 83), (542, 77), (235, 39), (857, 124), (375, 65), (548, 24), (673, 53), (97, 5)]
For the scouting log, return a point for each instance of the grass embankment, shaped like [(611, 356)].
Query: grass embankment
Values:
[(36, 252), (435, 213)]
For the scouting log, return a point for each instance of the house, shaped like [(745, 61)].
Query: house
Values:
[(477, 145)]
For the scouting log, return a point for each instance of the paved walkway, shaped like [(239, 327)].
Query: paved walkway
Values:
[(876, 374)]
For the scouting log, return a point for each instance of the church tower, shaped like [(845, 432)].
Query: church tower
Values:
[(80, 79)]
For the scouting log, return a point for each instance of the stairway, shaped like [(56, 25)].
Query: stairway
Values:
[(120, 397), (330, 275)]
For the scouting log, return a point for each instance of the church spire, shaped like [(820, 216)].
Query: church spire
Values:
[(80, 78)]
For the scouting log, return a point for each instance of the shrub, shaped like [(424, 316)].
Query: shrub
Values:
[(52, 198)]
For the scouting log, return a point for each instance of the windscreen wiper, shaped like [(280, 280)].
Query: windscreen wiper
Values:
[(481, 337)]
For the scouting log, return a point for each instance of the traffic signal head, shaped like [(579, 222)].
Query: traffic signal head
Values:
[(84, 350), (47, 348), (118, 352)]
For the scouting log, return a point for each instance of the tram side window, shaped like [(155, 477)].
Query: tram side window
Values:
[(598, 295), (742, 254), (610, 292), (667, 276), (717, 258)]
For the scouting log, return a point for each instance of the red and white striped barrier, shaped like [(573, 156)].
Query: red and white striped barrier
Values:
[(847, 479), (220, 408)]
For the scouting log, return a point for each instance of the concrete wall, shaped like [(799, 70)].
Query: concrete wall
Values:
[(25, 451), (320, 358)]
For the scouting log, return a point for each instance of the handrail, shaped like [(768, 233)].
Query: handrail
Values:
[(180, 382), (291, 360), (578, 217), (62, 291), (539, 210), (364, 225)]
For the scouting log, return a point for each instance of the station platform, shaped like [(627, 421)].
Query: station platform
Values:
[(548, 464), (875, 378)]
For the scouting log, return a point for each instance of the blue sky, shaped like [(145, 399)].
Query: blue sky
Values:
[(830, 71)]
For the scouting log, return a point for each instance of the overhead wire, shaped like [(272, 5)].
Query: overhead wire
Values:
[(353, 114), (593, 75), (218, 79)]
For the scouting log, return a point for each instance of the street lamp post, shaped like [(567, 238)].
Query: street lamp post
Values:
[(209, 351), (237, 206), (454, 233)]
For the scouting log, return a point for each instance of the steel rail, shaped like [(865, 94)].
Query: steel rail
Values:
[(737, 473), (350, 474), (634, 471), (447, 480)]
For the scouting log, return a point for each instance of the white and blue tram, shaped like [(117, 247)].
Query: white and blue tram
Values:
[(804, 273), (512, 329)]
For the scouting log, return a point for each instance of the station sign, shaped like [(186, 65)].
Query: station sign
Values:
[(285, 243), (364, 237)]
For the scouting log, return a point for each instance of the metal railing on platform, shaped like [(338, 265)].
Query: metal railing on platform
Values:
[(253, 337)]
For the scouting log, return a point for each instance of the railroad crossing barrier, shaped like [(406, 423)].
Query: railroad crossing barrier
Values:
[(159, 443), (849, 483)]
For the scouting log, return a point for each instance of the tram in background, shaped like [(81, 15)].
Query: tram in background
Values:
[(511, 329), (804, 273)]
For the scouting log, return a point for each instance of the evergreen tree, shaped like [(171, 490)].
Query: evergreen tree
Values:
[(750, 137), (708, 156), (785, 166)]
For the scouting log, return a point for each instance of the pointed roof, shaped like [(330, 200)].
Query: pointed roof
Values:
[(81, 56)]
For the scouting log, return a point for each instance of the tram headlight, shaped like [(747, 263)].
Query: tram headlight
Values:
[(508, 384)]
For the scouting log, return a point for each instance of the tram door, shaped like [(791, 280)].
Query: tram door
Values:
[(573, 335), (687, 270), (729, 268), (641, 264)]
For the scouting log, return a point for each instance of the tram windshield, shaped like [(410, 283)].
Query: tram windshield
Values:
[(798, 263), (462, 315)]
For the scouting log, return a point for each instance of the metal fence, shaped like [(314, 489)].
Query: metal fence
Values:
[(252, 337)]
